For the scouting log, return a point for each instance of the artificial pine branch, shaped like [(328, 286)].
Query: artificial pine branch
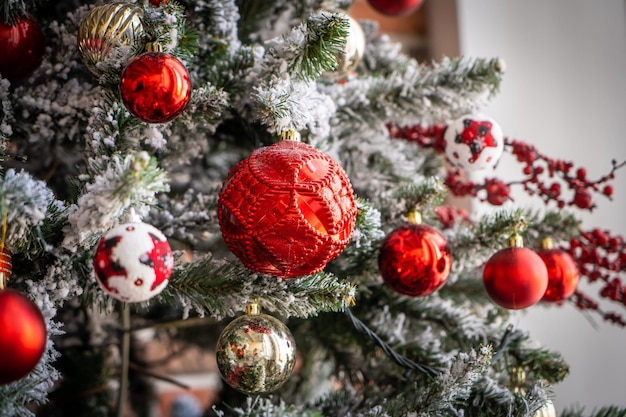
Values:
[(221, 289)]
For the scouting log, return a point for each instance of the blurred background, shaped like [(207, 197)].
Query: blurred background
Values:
[(564, 91)]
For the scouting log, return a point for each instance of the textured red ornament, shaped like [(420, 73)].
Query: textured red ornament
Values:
[(287, 210), (562, 274), (155, 87), (395, 7), (415, 260), (515, 278), (21, 48), (22, 336)]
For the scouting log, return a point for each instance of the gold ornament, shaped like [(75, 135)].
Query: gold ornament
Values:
[(518, 381), (352, 54), (255, 353), (105, 29), (547, 410)]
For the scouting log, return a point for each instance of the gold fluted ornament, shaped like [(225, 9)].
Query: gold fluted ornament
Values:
[(105, 30), (518, 380)]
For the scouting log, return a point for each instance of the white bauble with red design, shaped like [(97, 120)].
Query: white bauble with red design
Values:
[(474, 142), (133, 262)]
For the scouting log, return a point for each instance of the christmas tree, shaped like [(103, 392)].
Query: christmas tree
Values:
[(273, 183)]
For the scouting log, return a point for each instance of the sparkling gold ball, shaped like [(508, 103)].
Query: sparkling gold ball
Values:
[(106, 30), (256, 354)]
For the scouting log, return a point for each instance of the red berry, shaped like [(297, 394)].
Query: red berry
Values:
[(583, 199), (608, 190), (581, 174)]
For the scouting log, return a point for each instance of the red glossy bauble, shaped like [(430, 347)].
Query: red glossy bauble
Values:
[(155, 87), (515, 278), (562, 274), (415, 260), (395, 7), (21, 48), (157, 3), (287, 210), (22, 336)]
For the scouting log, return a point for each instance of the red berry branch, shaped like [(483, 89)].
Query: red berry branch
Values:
[(599, 255)]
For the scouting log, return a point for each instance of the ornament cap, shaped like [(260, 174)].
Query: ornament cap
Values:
[(516, 241), (547, 243), (253, 308), (290, 134), (154, 47), (414, 216)]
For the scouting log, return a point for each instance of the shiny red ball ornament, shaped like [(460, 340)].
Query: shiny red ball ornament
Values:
[(287, 210), (22, 336), (395, 7), (157, 3), (515, 277), (21, 48), (563, 273), (415, 260), (155, 87)]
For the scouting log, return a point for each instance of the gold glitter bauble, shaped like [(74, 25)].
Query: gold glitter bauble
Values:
[(107, 28), (255, 353)]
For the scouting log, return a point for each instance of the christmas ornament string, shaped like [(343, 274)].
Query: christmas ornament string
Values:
[(393, 355)]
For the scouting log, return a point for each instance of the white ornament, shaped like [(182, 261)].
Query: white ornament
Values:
[(474, 142), (133, 262)]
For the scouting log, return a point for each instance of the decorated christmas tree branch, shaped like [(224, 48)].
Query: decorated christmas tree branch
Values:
[(222, 289), (417, 90)]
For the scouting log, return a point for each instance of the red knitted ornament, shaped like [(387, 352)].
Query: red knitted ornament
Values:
[(287, 210)]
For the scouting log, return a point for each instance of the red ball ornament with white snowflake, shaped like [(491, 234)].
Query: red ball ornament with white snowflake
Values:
[(23, 336), (287, 210), (563, 273), (155, 86), (473, 142), (395, 7), (415, 259), (21, 48), (515, 277), (133, 262)]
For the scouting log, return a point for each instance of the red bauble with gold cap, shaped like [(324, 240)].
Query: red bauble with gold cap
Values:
[(22, 336), (415, 260), (395, 7), (155, 87), (287, 210), (563, 273), (21, 48), (515, 277)]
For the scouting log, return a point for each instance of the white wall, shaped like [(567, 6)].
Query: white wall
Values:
[(564, 91)]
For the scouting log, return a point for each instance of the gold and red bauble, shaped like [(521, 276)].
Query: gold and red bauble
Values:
[(255, 353), (287, 210), (21, 48), (415, 259), (515, 277)]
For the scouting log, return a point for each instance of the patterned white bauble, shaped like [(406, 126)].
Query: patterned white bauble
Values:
[(133, 262), (474, 142)]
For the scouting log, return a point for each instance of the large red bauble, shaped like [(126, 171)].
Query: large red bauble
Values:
[(22, 336), (562, 274), (287, 210), (155, 87), (515, 278), (21, 48), (395, 7), (415, 260)]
